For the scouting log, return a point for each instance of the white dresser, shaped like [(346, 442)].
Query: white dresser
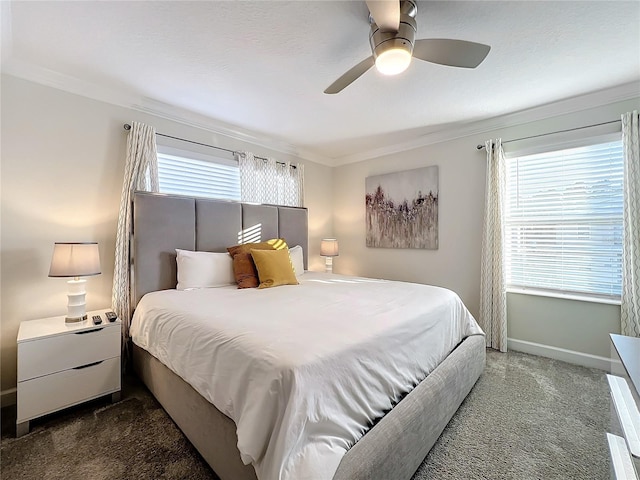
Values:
[(62, 364), (624, 385)]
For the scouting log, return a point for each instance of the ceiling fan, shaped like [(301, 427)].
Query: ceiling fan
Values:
[(392, 39)]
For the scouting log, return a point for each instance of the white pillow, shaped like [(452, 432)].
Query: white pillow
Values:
[(203, 269), (297, 259)]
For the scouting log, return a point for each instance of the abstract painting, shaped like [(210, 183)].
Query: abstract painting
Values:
[(402, 209)]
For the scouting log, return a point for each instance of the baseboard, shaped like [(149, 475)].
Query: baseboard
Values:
[(8, 397), (569, 356)]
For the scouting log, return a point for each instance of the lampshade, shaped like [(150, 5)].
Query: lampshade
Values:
[(329, 247), (75, 260)]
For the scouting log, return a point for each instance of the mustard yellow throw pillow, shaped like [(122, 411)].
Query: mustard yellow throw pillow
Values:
[(274, 268)]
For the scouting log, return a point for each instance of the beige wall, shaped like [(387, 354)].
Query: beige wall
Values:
[(61, 177), (567, 324), (455, 264)]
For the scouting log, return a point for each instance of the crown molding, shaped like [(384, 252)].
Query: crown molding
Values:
[(454, 131), (67, 83), (122, 98), (192, 119), (134, 101)]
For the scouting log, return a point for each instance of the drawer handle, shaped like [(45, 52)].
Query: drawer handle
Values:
[(90, 331), (88, 365)]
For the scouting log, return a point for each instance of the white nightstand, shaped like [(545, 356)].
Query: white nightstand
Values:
[(62, 364)]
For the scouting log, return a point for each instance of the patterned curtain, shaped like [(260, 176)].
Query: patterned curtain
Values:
[(493, 297), (140, 173), (268, 181), (630, 307)]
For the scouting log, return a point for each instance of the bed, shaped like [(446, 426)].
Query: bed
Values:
[(400, 437)]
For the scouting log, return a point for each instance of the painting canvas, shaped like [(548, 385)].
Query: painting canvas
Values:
[(402, 209)]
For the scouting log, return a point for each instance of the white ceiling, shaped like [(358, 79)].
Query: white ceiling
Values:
[(262, 66)]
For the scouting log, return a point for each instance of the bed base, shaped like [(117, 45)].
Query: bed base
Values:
[(393, 449)]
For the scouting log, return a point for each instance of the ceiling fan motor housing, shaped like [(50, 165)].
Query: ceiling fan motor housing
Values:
[(403, 39), (394, 45)]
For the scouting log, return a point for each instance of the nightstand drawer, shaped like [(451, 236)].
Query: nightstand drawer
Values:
[(627, 413), (621, 464), (43, 395), (44, 356)]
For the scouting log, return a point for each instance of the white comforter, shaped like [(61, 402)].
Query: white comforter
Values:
[(303, 370)]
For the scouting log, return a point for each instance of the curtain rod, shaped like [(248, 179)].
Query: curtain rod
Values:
[(480, 147), (128, 127)]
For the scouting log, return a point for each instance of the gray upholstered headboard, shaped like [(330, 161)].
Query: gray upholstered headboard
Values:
[(162, 223)]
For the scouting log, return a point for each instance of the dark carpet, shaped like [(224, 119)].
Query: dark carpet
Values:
[(131, 439), (527, 418)]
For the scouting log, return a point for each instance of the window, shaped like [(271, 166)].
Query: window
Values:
[(186, 173), (563, 221)]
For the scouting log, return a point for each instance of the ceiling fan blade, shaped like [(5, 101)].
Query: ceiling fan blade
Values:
[(351, 76), (455, 53), (386, 13)]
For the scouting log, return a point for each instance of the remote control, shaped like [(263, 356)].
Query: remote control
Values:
[(111, 316), (97, 319)]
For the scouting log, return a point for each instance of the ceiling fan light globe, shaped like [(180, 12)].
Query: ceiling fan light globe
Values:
[(393, 61)]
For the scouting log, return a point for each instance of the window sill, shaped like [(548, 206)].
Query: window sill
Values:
[(565, 296)]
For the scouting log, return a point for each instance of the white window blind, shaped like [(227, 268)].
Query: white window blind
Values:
[(563, 222), (182, 175)]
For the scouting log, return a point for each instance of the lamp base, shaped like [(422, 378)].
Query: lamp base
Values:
[(75, 319), (76, 306), (328, 265)]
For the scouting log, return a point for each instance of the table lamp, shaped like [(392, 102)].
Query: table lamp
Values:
[(75, 260), (329, 249)]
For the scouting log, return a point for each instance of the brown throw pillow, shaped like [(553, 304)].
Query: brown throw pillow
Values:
[(244, 268)]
